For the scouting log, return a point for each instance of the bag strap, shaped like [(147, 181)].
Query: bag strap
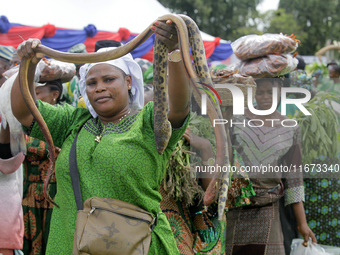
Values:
[(75, 179), (75, 174)]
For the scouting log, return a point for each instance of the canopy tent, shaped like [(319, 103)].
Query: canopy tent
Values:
[(135, 15)]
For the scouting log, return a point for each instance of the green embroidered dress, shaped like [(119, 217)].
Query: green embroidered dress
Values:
[(125, 165)]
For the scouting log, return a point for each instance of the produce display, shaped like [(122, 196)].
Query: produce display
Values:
[(243, 82), (226, 76)]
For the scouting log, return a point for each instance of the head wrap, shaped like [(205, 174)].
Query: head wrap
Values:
[(105, 44), (302, 64), (78, 48), (148, 75), (143, 63), (6, 52), (333, 62), (128, 66), (57, 84)]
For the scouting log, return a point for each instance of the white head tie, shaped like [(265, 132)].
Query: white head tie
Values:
[(128, 66)]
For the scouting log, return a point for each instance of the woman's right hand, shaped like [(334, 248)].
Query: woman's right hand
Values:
[(26, 50)]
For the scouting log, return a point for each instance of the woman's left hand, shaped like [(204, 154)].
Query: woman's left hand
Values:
[(306, 233), (167, 33), (196, 141)]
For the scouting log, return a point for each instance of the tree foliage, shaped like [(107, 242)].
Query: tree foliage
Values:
[(281, 22), (314, 22), (227, 19), (318, 18)]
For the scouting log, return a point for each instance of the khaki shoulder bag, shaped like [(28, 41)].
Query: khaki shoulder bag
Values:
[(106, 225)]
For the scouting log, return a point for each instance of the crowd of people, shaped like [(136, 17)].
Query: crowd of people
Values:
[(105, 110)]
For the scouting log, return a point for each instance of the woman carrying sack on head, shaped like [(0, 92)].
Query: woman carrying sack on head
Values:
[(116, 152), (263, 141)]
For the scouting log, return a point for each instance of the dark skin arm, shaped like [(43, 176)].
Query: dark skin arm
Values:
[(4, 135), (178, 82), (179, 90), (303, 228), (206, 152), (19, 108)]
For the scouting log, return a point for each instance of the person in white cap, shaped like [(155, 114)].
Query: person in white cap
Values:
[(6, 53), (116, 151)]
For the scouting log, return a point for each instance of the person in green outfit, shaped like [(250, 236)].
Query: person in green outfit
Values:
[(71, 88), (123, 163), (331, 83)]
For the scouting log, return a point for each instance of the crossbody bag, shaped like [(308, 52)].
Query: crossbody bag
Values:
[(106, 225)]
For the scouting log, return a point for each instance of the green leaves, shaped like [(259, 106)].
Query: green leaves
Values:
[(180, 178), (319, 131)]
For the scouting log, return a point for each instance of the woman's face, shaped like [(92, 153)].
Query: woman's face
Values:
[(264, 94), (107, 89), (45, 94), (333, 74)]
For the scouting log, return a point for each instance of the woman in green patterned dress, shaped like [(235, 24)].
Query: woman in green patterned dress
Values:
[(123, 163)]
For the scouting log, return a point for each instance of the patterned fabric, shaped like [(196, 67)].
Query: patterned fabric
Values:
[(71, 91), (125, 166), (196, 234), (322, 205), (299, 79), (240, 189), (180, 222), (270, 147), (294, 195), (257, 228), (37, 210), (202, 233)]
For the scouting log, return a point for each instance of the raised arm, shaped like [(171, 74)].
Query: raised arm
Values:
[(19, 108), (178, 82)]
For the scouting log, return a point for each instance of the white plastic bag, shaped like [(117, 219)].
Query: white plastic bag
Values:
[(254, 46), (312, 248), (51, 69), (11, 72), (265, 67)]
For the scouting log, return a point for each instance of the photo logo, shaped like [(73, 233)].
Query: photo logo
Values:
[(209, 93), (238, 99)]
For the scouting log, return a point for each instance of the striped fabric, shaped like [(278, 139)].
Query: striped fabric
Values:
[(6, 52)]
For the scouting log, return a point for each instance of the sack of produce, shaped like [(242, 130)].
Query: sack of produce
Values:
[(266, 67), (51, 69), (254, 46)]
